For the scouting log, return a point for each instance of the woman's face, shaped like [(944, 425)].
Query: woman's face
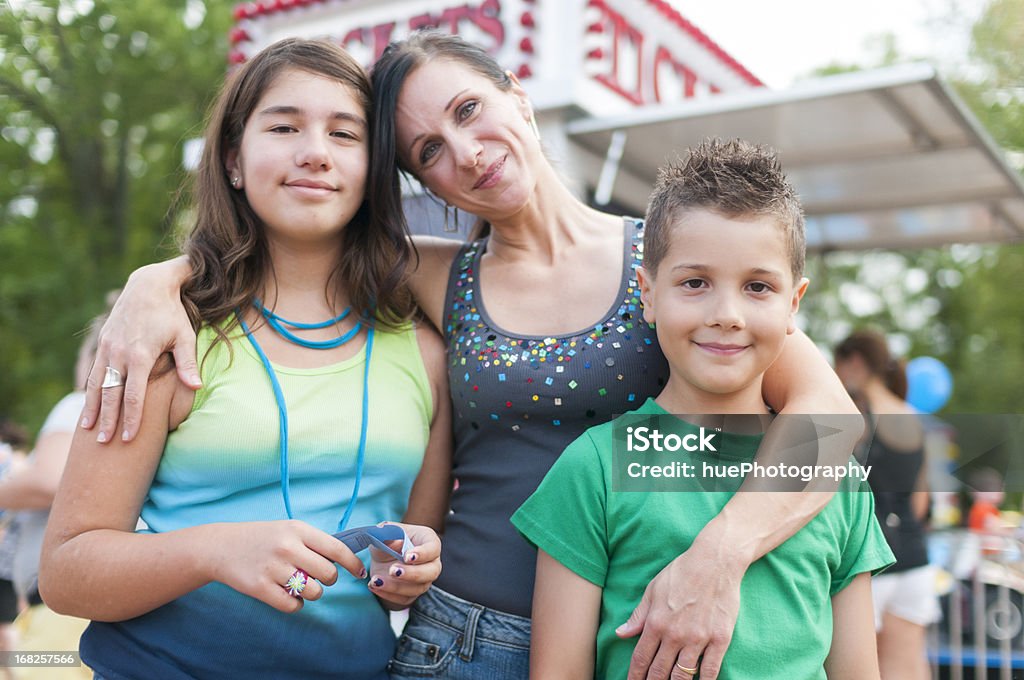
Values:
[(467, 141), (303, 158), (853, 372)]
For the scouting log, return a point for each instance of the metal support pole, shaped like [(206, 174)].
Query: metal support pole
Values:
[(606, 182)]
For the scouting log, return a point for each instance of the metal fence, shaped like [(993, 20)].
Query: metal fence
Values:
[(981, 636)]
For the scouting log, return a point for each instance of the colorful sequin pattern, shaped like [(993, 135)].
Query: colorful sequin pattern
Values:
[(553, 378), (517, 403)]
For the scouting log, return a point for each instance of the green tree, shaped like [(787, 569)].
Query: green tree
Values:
[(960, 303), (97, 98), (985, 315)]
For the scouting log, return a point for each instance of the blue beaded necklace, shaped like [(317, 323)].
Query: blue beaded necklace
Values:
[(280, 326)]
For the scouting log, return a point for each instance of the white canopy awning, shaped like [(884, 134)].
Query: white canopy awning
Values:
[(888, 158)]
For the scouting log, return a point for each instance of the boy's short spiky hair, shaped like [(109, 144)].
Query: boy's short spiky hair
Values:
[(733, 179)]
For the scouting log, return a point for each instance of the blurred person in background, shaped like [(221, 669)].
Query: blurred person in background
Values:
[(29, 490), (904, 596), (987, 495), (986, 488), (13, 440)]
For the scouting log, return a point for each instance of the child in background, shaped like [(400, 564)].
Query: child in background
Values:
[(301, 428), (985, 518), (724, 249), (987, 496)]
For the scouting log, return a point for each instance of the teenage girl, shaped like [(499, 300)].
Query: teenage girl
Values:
[(319, 403)]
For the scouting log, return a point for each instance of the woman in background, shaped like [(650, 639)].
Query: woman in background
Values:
[(904, 596)]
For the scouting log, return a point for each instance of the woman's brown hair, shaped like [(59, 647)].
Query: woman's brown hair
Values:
[(871, 347), (227, 246)]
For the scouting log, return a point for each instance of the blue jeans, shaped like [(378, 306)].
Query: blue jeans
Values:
[(448, 637)]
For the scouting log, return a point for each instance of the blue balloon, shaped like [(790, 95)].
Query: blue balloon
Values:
[(929, 384)]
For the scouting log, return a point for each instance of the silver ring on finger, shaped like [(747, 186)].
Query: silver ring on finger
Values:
[(296, 583), (112, 378)]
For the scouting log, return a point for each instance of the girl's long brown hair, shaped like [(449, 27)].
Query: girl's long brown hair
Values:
[(227, 246)]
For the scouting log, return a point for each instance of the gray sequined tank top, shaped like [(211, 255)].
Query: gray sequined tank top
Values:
[(518, 401)]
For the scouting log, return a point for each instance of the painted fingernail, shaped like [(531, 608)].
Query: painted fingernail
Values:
[(125, 436), (362, 573), (85, 422), (378, 581), (411, 557), (101, 437), (397, 571)]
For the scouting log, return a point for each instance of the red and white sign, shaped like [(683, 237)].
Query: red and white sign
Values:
[(365, 28), (598, 55), (648, 53)]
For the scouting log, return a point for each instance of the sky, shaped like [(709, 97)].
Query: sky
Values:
[(782, 40)]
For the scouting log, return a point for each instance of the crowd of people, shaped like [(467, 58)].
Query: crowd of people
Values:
[(307, 374)]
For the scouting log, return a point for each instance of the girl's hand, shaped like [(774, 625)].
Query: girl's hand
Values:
[(258, 558), (399, 583)]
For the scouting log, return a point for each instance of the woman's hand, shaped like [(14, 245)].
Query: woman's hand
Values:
[(686, 616), (398, 583), (258, 558), (147, 320)]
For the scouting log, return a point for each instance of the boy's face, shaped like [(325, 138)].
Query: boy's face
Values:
[(723, 300)]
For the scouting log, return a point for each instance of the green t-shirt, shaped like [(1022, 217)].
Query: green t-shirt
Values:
[(621, 540)]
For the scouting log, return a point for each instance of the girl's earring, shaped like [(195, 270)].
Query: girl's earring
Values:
[(235, 181), (454, 227)]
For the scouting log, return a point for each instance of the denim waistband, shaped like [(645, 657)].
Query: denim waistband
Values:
[(473, 620)]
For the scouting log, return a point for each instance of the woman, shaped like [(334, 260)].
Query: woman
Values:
[(303, 428), (905, 598), (542, 343)]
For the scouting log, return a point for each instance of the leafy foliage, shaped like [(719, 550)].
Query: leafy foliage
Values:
[(960, 303), (97, 99)]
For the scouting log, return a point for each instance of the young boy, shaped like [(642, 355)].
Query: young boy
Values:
[(722, 279)]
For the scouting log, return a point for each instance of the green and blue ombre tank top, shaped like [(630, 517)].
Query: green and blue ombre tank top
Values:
[(222, 465)]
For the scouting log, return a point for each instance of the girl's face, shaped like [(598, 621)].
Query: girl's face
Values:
[(467, 141), (303, 158)]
